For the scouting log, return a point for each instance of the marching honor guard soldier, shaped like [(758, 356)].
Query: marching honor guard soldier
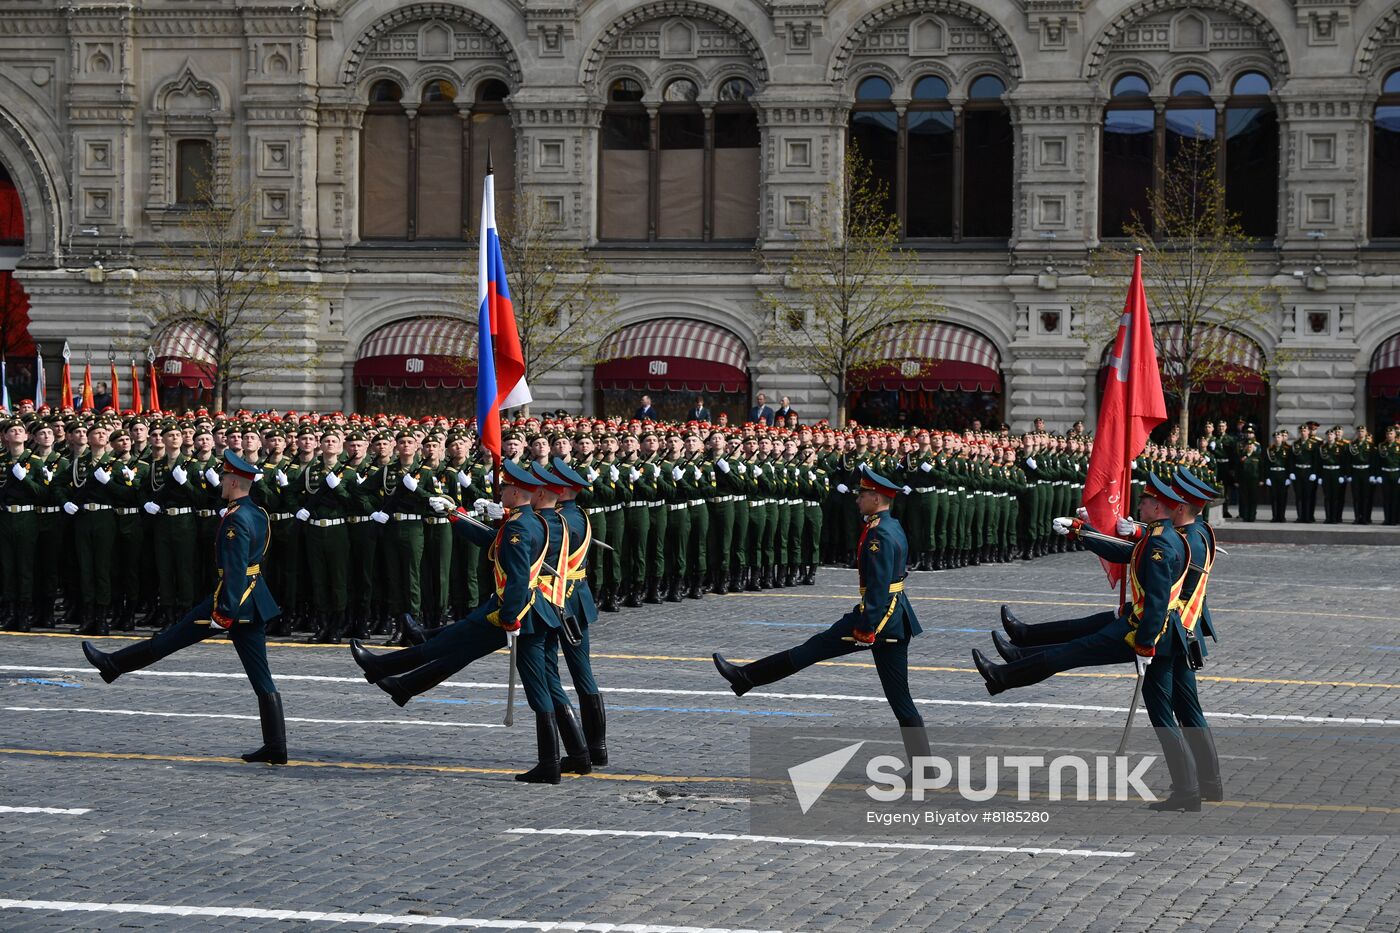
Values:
[(241, 605), (518, 551), (883, 621)]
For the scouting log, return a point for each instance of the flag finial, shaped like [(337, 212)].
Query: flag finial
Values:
[(489, 169)]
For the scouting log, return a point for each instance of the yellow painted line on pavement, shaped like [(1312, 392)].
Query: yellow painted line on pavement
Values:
[(596, 775), (369, 766), (919, 668)]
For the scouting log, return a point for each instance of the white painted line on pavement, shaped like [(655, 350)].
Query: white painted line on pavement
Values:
[(827, 843), (446, 724), (57, 811), (834, 697), (407, 920)]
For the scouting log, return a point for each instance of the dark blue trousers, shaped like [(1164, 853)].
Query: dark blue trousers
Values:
[(249, 640)]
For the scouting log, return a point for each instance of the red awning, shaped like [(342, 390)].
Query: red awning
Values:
[(1384, 380), (933, 356), (419, 353), (673, 355), (14, 317), (1241, 370), (11, 212), (185, 356)]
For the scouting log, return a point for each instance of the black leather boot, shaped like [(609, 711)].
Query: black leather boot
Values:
[(673, 589), (576, 759), (721, 584), (375, 666), (410, 632), (1041, 634), (595, 727), (744, 678), (653, 597), (633, 599), (765, 578), (694, 591), (1001, 677), (752, 585), (547, 745), (915, 738), (112, 665), (1008, 650), (274, 732), (1202, 745), (319, 633), (609, 599)]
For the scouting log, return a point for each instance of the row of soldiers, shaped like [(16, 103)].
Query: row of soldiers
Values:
[(679, 510)]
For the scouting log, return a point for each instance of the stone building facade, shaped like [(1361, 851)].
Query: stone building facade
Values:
[(673, 137)]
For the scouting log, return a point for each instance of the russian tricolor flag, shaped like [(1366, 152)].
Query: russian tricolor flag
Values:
[(500, 374)]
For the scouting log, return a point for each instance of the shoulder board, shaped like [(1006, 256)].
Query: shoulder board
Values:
[(514, 516), (1158, 530)]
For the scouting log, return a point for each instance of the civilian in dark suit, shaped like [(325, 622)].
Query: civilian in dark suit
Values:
[(699, 412), (784, 410), (761, 413), (646, 412)]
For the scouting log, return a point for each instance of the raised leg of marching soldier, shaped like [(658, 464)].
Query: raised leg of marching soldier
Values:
[(329, 579), (437, 564), (721, 535), (96, 538), (658, 523), (636, 528), (699, 562), (677, 549)]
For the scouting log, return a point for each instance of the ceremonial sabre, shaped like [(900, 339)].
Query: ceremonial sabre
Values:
[(510, 684), (1132, 711)]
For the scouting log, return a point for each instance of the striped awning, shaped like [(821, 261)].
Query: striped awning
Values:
[(929, 357), (1384, 379), (186, 355), (1242, 365), (672, 354), (419, 353)]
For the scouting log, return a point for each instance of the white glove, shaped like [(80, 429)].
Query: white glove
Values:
[(360, 478), (1082, 514), (1312, 477), (655, 472), (379, 517), (907, 490), (1292, 477), (151, 508), (48, 474), (927, 466), (71, 508), (612, 474), (18, 471), (223, 512), (493, 510), (1289, 481), (1375, 480), (1142, 664), (842, 488), (677, 473), (410, 482), (302, 515), (743, 468), (127, 474), (1211, 445), (722, 466), (1319, 481), (1030, 462), (281, 480), (211, 477), (1268, 482), (757, 470), (696, 471), (1061, 526), (440, 504), (463, 479), (1125, 527), (102, 476), (633, 475), (811, 477), (332, 481), (1133, 465), (592, 475)]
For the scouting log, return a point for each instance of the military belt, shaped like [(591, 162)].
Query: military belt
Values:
[(281, 516), (127, 511), (181, 511), (406, 517), (206, 513), (95, 507), (655, 505), (1331, 466), (812, 503), (436, 520), (614, 507), (636, 505), (50, 509), (1390, 469), (921, 490), (895, 587), (327, 522), (19, 508), (356, 519), (677, 506), (253, 570)]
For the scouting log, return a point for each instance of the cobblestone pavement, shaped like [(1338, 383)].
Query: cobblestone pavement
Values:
[(403, 819)]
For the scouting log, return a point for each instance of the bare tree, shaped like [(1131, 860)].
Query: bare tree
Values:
[(224, 272), (1195, 269), (845, 291), (561, 305)]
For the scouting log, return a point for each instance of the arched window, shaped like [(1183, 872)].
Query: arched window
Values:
[(1142, 142), (697, 166), (422, 170), (1251, 155), (1385, 160), (954, 181)]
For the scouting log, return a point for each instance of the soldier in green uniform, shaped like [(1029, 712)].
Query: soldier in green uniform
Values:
[(404, 488), (1249, 464), (1361, 475), (325, 497), (51, 467), (677, 517), (21, 494), (658, 514), (1278, 473), (87, 497), (1302, 472), (462, 478), (814, 491), (437, 536), (636, 512), (1332, 462), (1388, 475), (728, 488), (700, 487), (203, 469), (128, 494)]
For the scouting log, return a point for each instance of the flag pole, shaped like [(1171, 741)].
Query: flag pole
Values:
[(1123, 580)]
